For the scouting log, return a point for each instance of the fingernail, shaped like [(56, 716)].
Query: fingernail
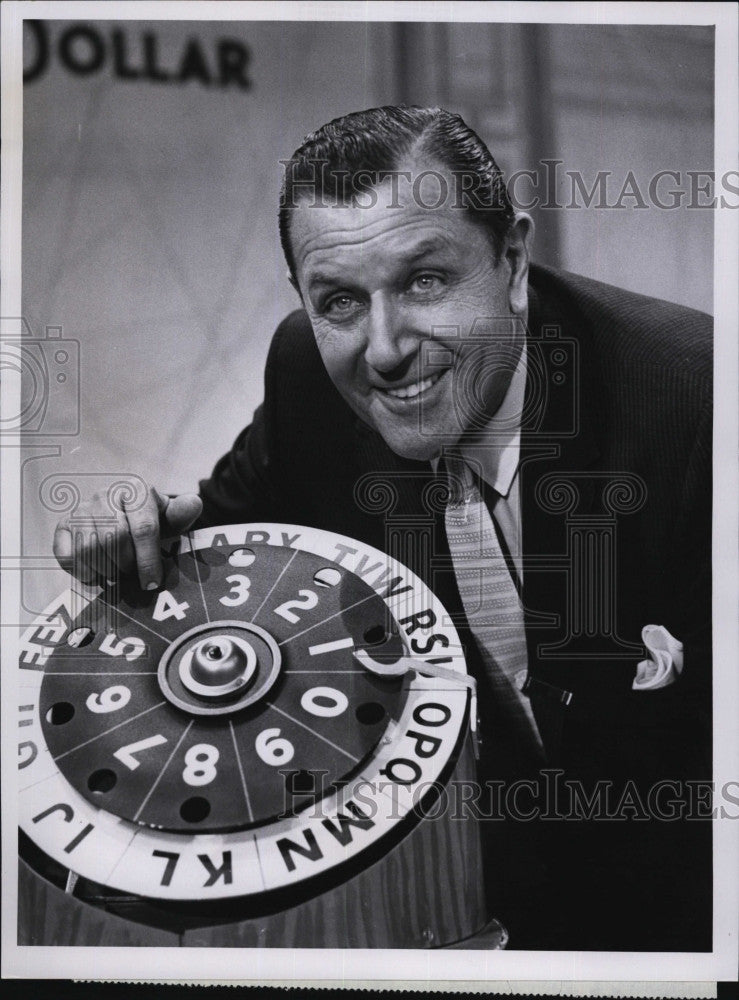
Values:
[(152, 585)]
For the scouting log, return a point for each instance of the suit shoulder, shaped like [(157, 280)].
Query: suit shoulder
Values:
[(632, 328), (293, 347), (298, 389)]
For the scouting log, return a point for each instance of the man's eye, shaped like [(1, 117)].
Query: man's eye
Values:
[(425, 283), (339, 304)]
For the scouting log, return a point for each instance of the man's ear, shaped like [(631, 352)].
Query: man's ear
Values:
[(517, 254)]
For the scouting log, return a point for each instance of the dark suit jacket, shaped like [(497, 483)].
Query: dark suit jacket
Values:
[(616, 517)]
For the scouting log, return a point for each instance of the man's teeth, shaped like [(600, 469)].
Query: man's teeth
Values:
[(409, 391)]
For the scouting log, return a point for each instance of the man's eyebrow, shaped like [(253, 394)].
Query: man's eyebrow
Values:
[(415, 253), (424, 248), (320, 278)]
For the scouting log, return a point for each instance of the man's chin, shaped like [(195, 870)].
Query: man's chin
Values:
[(416, 449)]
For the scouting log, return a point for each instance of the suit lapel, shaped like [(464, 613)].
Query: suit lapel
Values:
[(558, 446), (388, 491)]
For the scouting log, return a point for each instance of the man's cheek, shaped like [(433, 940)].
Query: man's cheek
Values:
[(320, 332), (336, 362), (337, 347)]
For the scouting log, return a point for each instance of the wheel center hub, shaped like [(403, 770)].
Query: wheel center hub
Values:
[(219, 668)]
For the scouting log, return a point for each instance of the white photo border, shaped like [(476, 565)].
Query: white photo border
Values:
[(419, 969)]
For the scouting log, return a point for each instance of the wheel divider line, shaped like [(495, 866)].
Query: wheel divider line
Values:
[(112, 728), (123, 853), (161, 773), (312, 731), (40, 781), (323, 621), (241, 772), (274, 585), (259, 860), (197, 574), (115, 607)]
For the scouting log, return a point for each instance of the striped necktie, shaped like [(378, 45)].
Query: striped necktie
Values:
[(491, 602)]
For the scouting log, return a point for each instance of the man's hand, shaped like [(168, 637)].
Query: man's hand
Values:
[(103, 543)]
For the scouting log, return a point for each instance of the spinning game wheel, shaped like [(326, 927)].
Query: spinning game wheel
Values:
[(247, 754)]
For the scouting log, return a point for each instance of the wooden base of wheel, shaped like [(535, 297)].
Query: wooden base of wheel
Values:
[(426, 892)]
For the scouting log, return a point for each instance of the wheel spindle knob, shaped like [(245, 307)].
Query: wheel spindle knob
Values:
[(217, 661), (218, 666)]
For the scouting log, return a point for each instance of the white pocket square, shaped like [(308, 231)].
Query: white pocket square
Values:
[(665, 661)]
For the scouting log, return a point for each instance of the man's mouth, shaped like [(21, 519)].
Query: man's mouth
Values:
[(414, 389)]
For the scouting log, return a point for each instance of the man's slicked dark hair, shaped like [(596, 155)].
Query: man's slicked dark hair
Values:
[(357, 151)]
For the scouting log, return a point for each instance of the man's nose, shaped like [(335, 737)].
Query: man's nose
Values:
[(391, 341)]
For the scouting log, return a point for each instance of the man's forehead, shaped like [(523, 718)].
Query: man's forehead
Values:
[(318, 232), (315, 230)]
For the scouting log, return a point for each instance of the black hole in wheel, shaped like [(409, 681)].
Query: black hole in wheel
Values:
[(195, 810), (375, 634), (79, 637), (60, 713), (102, 781), (370, 713), (302, 782)]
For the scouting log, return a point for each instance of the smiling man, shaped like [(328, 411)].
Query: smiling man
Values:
[(576, 419)]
